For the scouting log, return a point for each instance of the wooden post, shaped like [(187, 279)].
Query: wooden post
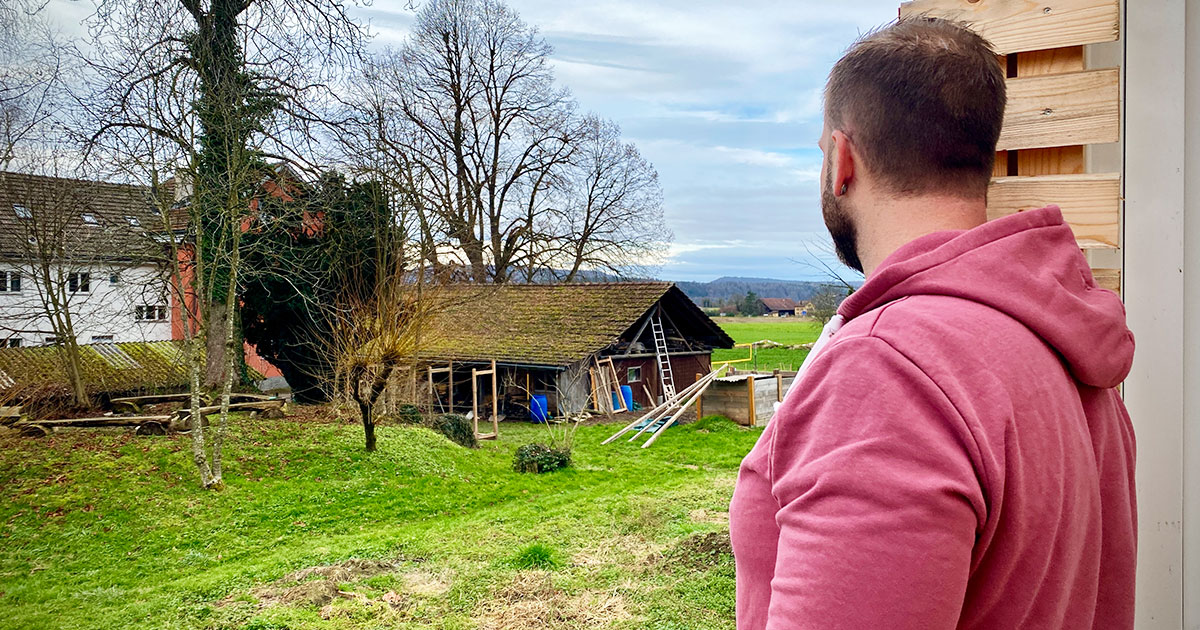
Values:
[(778, 386), (432, 391), (595, 396), (699, 409), (495, 405), (475, 399), (750, 406)]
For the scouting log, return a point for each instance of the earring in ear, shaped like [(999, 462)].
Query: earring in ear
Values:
[(844, 186)]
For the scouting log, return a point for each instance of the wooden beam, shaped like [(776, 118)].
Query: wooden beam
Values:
[(1062, 109), (1090, 203), (750, 405), (1053, 61), (1020, 25)]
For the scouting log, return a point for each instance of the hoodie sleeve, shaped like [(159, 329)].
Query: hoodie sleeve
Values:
[(879, 501)]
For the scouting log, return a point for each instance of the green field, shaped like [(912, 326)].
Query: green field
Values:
[(784, 330), (108, 530)]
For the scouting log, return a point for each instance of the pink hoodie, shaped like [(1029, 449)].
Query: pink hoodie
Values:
[(956, 455)]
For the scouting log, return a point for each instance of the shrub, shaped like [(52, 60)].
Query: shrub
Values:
[(539, 458), (536, 556), (408, 414), (456, 428)]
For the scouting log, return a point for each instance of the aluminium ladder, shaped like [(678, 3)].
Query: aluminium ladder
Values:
[(664, 360)]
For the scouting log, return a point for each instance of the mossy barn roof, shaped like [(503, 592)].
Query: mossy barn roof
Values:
[(556, 325)]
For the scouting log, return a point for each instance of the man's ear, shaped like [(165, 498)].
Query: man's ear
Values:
[(843, 162)]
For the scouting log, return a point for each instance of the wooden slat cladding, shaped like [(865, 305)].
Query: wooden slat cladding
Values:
[(1020, 25), (1062, 109), (1056, 61), (1090, 203), (1108, 279)]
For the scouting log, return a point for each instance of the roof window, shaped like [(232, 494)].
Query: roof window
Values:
[(22, 211), (133, 221), (89, 218)]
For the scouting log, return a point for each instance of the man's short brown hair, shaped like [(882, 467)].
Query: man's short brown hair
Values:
[(923, 102)]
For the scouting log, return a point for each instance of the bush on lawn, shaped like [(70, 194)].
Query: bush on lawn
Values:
[(456, 428), (536, 556), (715, 424), (539, 458)]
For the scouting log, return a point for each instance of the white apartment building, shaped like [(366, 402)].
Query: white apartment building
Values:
[(84, 248)]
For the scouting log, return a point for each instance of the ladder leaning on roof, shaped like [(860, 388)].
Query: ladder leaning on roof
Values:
[(664, 360)]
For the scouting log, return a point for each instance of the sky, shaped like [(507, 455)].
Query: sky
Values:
[(724, 98)]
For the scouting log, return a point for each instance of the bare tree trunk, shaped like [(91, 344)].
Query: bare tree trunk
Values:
[(199, 453), (214, 350), (229, 342), (368, 423)]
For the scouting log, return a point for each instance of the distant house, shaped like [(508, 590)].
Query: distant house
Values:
[(90, 244), (102, 250), (545, 338), (777, 307)]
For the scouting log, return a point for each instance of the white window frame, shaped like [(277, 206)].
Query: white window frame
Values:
[(22, 211), (630, 373)]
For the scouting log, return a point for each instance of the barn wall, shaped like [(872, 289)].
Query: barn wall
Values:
[(685, 368)]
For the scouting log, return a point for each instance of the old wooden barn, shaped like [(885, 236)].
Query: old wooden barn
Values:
[(545, 341)]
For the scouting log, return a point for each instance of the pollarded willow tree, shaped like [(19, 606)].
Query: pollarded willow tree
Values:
[(213, 90)]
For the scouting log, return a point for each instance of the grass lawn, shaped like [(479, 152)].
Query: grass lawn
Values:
[(111, 531), (788, 331)]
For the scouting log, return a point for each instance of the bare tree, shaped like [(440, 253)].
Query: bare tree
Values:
[(613, 205), (31, 82), (486, 126), (256, 72), (214, 90)]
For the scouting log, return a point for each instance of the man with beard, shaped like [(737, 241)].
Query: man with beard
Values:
[(953, 453)]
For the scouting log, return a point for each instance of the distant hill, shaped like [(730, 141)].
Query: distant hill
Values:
[(733, 288)]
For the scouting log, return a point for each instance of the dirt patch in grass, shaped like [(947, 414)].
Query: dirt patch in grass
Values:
[(617, 551), (699, 551), (531, 601), (709, 516), (425, 584), (317, 586)]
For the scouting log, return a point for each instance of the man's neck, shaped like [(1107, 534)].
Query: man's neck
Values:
[(892, 223)]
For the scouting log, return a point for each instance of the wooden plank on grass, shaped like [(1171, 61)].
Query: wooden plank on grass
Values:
[(1020, 25), (1062, 109), (1090, 203)]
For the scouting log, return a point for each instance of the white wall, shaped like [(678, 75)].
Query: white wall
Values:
[(107, 309), (1162, 296)]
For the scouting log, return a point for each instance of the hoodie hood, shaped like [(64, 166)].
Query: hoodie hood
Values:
[(1026, 265)]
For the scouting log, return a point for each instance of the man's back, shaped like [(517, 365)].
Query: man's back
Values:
[(956, 457)]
